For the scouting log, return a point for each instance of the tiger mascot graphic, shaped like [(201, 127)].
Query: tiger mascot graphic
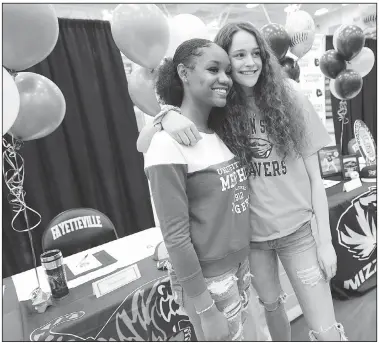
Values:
[(357, 247), (148, 314)]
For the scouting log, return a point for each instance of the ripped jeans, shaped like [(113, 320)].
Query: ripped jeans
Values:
[(231, 293), (298, 254)]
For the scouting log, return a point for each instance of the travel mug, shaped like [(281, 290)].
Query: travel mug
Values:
[(52, 262)]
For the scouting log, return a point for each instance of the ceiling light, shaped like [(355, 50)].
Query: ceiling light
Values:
[(345, 4), (321, 11), (252, 5), (292, 8)]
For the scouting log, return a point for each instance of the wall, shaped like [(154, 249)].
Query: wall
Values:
[(350, 14)]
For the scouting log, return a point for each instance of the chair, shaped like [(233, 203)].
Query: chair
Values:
[(78, 229)]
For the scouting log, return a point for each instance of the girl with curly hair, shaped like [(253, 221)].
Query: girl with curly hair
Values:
[(289, 215), (202, 199)]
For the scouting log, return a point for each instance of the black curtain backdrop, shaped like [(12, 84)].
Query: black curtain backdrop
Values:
[(363, 106), (91, 159)]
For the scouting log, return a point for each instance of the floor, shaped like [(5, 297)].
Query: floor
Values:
[(357, 315)]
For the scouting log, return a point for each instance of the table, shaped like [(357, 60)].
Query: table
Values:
[(143, 310)]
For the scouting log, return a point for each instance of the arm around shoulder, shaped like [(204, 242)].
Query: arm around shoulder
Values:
[(145, 137)]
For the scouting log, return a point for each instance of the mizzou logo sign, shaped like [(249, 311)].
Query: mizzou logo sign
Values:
[(357, 226)]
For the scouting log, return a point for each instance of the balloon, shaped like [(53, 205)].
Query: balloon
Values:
[(353, 148), (184, 27), (11, 101), (291, 68), (141, 32), (348, 84), (333, 90), (332, 63), (335, 35), (141, 87), (42, 107), (363, 62), (277, 38), (301, 43), (301, 29), (30, 33), (348, 40)]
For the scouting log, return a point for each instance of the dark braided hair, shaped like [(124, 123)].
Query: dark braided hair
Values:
[(169, 87), (272, 97)]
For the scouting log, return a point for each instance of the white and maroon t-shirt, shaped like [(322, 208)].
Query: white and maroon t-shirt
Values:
[(281, 199), (201, 197)]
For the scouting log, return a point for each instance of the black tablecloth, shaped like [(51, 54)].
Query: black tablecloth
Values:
[(142, 311), (145, 309), (353, 218)]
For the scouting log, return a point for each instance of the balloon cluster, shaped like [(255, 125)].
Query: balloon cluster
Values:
[(297, 36), (145, 35), (348, 62), (33, 105)]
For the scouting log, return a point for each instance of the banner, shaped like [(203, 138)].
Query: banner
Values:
[(312, 80), (353, 225)]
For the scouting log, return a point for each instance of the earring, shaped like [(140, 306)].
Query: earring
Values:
[(185, 79)]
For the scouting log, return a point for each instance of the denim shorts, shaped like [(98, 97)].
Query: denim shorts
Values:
[(231, 292)]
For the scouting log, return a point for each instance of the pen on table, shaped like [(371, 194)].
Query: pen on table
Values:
[(82, 260)]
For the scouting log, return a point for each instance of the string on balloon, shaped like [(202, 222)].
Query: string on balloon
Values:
[(13, 172), (342, 111), (266, 14)]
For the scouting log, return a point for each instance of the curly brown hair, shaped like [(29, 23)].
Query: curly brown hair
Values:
[(272, 97)]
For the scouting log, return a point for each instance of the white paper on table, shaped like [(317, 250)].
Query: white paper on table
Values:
[(83, 263), (330, 183)]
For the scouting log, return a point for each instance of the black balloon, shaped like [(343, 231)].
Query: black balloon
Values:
[(348, 84), (350, 41), (277, 38), (291, 67), (332, 63)]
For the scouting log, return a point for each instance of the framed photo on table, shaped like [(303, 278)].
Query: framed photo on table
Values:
[(349, 163), (329, 159)]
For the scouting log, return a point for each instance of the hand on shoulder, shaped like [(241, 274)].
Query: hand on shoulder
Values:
[(180, 128)]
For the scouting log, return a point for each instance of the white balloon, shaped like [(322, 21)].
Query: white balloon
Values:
[(333, 89), (363, 62), (301, 43), (184, 27), (11, 101), (301, 29), (299, 21), (141, 88)]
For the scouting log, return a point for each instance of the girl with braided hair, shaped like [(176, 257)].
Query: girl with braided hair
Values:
[(274, 131), (201, 198)]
